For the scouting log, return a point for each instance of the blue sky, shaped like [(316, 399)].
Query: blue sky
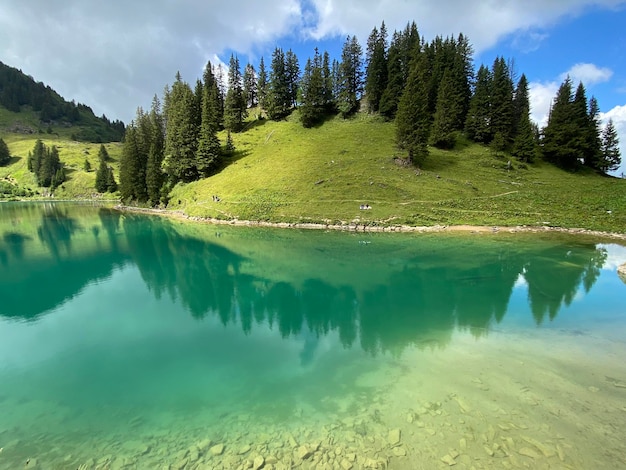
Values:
[(115, 55)]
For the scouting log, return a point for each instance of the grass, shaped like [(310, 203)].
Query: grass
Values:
[(79, 184), (282, 172)]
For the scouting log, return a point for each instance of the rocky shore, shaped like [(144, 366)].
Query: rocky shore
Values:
[(356, 226)]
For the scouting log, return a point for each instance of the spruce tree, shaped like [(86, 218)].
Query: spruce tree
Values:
[(376, 67), (448, 110), (111, 183), (312, 86), (181, 140), (249, 86), (102, 176), (292, 69), (524, 145), (279, 98), (501, 116), (327, 77), (351, 77), (154, 174), (561, 133), (395, 80), (208, 143), (262, 85), (611, 155), (5, 155), (478, 120), (413, 118), (593, 135), (235, 109)]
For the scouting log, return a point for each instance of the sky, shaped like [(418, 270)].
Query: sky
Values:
[(116, 55)]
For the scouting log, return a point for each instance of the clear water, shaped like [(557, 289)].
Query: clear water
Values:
[(130, 341)]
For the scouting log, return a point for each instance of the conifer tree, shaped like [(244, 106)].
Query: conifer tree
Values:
[(235, 109), (181, 134), (111, 183), (327, 77), (524, 144), (351, 77), (448, 109), (262, 85), (611, 155), (5, 155), (594, 136), (249, 86), (501, 109), (279, 98), (154, 174), (376, 67), (208, 143), (561, 132), (292, 69), (35, 158), (313, 99), (129, 163), (102, 172), (413, 118)]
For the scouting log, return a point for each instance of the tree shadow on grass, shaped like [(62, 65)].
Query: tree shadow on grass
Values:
[(13, 160)]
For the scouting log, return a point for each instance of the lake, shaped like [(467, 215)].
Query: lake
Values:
[(135, 341)]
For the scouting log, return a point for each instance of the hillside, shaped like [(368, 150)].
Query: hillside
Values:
[(282, 172), (30, 107)]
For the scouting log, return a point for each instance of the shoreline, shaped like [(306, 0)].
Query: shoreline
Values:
[(352, 227)]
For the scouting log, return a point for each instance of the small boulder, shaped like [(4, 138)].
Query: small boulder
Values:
[(217, 449)]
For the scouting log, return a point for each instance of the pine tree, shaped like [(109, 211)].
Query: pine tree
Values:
[(111, 183), (181, 134), (448, 109), (501, 119), (351, 77), (235, 109), (35, 158), (611, 155), (249, 86), (154, 174), (413, 118), (524, 145), (292, 69), (376, 68), (327, 76), (478, 121), (279, 98), (102, 174), (593, 136), (262, 85), (313, 99), (208, 143), (561, 132), (5, 155)]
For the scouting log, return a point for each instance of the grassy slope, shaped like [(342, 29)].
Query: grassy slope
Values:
[(79, 183), (285, 173)]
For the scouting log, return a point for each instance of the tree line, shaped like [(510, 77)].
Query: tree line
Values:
[(430, 89)]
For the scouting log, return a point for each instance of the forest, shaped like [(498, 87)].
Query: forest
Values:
[(430, 89)]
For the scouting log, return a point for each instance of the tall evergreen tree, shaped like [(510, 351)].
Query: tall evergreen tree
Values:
[(478, 120), (279, 97), (35, 158), (413, 118), (351, 76), (181, 139), (594, 136), (561, 132), (292, 69), (154, 174), (208, 143), (376, 67), (611, 155), (249, 86), (313, 99), (327, 77), (262, 85), (129, 163), (524, 146), (501, 119), (448, 109), (5, 155), (235, 109), (103, 170)]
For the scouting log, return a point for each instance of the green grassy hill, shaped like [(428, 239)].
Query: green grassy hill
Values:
[(282, 172), (79, 184)]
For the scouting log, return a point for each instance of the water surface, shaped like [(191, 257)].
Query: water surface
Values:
[(129, 341)]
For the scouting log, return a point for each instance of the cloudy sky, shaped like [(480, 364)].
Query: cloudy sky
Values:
[(115, 55)]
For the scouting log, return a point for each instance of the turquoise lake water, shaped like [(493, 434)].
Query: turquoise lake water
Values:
[(130, 341)]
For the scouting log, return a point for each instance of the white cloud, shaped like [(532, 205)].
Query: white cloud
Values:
[(589, 74), (114, 55), (541, 96)]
